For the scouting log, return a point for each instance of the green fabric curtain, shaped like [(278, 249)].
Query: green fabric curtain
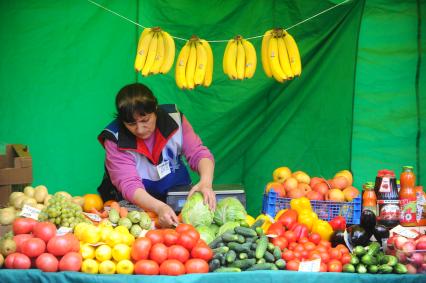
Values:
[(63, 63)]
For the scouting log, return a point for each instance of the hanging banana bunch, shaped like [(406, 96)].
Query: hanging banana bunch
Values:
[(280, 55), (239, 59), (155, 52), (194, 65)]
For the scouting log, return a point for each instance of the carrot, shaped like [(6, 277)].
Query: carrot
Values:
[(123, 212)]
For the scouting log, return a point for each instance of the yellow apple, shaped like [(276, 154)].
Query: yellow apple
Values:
[(87, 251), (125, 266), (347, 174), (302, 177), (90, 266), (281, 174), (103, 252), (121, 252), (107, 267), (290, 184)]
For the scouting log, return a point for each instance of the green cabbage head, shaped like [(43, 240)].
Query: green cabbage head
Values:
[(195, 212), (229, 209), (206, 233)]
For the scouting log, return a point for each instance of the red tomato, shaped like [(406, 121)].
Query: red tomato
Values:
[(315, 255), (297, 255), (323, 267), (75, 243), (309, 246), (346, 258), (293, 265), (17, 261), (334, 266), (325, 243), (288, 218), (33, 247), (342, 248), (335, 253), (44, 230), (201, 243), (20, 239), (315, 238), (172, 267), (280, 242), (290, 236), (292, 245), (147, 267), (71, 262), (303, 240), (321, 249), (23, 225), (193, 233), (170, 237), (158, 253), (47, 262), (178, 252), (299, 248), (186, 240), (276, 228), (202, 252), (182, 227), (325, 257), (195, 265), (156, 236), (287, 255), (60, 245), (140, 248)]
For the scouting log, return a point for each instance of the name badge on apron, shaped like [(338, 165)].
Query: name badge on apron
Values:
[(163, 169)]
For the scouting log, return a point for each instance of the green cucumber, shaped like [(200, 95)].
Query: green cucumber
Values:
[(280, 263), (400, 268), (373, 248), (350, 268), (270, 247), (244, 263), (277, 253), (262, 266), (361, 268), (373, 269), (230, 237), (228, 269), (231, 255), (259, 231), (384, 268), (262, 260), (213, 244), (242, 255), (368, 259), (241, 239), (268, 257), (220, 250), (359, 251), (246, 232), (354, 260), (261, 247), (214, 264), (389, 260), (259, 222)]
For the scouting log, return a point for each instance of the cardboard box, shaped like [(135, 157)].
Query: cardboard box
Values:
[(15, 170)]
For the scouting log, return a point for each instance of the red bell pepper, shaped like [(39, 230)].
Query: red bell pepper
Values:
[(276, 228), (338, 223), (288, 218), (301, 230)]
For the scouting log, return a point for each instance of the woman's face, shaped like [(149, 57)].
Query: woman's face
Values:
[(144, 126)]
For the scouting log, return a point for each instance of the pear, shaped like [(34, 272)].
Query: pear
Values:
[(7, 246)]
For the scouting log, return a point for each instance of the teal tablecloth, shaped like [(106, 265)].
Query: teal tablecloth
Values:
[(35, 275)]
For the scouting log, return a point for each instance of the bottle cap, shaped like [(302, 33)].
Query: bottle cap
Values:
[(407, 168), (368, 186)]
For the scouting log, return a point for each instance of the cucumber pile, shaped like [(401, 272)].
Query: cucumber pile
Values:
[(371, 260), (245, 249)]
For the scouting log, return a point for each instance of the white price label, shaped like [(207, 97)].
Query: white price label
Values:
[(30, 212), (404, 232), (63, 230), (93, 216), (310, 266)]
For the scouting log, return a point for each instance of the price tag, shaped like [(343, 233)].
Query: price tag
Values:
[(163, 169), (30, 212), (93, 216), (404, 232), (310, 266), (63, 230)]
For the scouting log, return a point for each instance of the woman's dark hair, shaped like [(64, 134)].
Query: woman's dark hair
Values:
[(134, 99)]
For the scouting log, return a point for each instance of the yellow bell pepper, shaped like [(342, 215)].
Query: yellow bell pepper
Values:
[(279, 213), (268, 221), (307, 217), (301, 204), (250, 220), (323, 228)]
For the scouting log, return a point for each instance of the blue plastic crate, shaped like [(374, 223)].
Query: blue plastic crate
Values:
[(326, 210)]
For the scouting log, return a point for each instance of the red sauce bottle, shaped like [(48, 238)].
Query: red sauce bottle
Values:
[(407, 197), (387, 198)]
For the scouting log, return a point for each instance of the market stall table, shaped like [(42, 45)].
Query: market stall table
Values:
[(35, 275)]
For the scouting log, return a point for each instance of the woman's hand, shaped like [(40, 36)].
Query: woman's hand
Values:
[(208, 193), (167, 217)]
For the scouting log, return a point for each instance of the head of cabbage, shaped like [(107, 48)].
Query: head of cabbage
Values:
[(195, 212), (229, 209), (206, 233)]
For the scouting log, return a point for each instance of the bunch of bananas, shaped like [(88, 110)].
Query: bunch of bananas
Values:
[(155, 53), (239, 59), (194, 64), (280, 55)]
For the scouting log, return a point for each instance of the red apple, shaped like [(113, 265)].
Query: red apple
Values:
[(421, 245), (408, 248), (416, 259), (399, 241), (411, 269)]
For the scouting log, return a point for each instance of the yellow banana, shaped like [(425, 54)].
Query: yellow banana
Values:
[(181, 66), (152, 51), (231, 60), (284, 60), (265, 53), (191, 65), (274, 61), (201, 67), (159, 56), (293, 54), (241, 60), (209, 67), (142, 50), (251, 59), (169, 53), (225, 54)]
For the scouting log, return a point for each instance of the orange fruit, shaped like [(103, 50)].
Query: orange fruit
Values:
[(92, 201)]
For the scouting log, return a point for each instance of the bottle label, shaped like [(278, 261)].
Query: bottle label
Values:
[(388, 210), (385, 185), (408, 210)]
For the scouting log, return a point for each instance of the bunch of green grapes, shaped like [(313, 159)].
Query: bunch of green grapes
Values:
[(62, 212)]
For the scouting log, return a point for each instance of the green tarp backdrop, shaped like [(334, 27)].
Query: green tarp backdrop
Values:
[(356, 105)]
